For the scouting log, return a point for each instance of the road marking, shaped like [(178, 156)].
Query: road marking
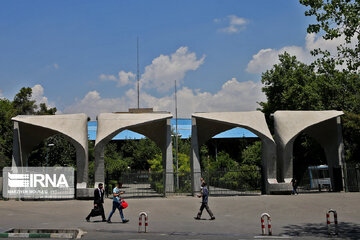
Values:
[(272, 237)]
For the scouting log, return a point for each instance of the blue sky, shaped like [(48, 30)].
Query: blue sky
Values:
[(80, 56)]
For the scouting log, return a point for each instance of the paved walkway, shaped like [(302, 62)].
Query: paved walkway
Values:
[(294, 217)]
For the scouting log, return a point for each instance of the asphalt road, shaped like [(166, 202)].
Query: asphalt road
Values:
[(293, 217)]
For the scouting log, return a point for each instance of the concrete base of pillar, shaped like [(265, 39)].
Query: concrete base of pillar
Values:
[(279, 188), (81, 185), (85, 193)]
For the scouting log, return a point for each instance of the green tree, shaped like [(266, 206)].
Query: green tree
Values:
[(351, 129), (61, 153), (140, 151), (252, 155), (6, 132), (292, 85), (156, 164), (184, 163), (224, 162), (337, 18), (115, 164), (44, 110), (23, 103)]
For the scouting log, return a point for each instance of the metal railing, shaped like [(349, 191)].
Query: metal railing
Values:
[(224, 183), (220, 183), (139, 184), (352, 180)]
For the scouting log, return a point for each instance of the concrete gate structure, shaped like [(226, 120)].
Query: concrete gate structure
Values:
[(277, 156), (155, 126), (31, 130), (323, 126), (207, 125)]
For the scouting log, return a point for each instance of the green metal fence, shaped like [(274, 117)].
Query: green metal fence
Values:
[(220, 183), (229, 183), (139, 184), (352, 177)]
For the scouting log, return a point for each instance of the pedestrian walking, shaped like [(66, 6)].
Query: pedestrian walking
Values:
[(294, 186), (201, 182), (117, 200), (98, 204), (204, 204)]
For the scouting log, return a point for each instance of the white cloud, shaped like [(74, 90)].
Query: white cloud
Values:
[(92, 104), (266, 58), (233, 96), (123, 79), (164, 70), (56, 66), (217, 20), (236, 24), (38, 96)]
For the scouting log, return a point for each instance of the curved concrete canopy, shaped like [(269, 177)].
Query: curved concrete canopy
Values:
[(253, 121), (289, 124), (324, 126), (155, 126), (207, 125), (110, 124), (73, 126), (30, 130)]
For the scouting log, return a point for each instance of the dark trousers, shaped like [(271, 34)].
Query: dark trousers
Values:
[(206, 206), (116, 205), (97, 211), (294, 190)]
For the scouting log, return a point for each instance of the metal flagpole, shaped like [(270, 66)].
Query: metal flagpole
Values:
[(176, 142), (137, 73)]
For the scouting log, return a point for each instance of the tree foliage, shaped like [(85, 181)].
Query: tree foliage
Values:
[(22, 104), (61, 153), (292, 85), (252, 154), (337, 18)]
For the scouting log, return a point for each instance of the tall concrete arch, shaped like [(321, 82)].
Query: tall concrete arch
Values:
[(155, 126), (207, 125), (324, 126), (30, 130)]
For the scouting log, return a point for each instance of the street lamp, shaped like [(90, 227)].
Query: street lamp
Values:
[(47, 152)]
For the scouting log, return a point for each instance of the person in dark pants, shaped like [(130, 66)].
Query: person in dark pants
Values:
[(294, 186), (117, 203), (204, 204), (98, 204)]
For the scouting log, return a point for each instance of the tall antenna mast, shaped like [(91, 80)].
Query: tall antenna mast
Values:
[(137, 73), (176, 141)]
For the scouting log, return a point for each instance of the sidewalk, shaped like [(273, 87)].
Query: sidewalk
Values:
[(301, 216)]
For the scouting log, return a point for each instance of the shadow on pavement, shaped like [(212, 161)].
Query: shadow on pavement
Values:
[(346, 230)]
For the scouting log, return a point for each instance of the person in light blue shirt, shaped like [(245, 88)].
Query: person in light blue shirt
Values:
[(117, 203)]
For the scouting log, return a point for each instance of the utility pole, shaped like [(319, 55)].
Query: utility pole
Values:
[(176, 141), (137, 74)]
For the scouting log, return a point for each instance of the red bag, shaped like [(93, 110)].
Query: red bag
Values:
[(124, 204)]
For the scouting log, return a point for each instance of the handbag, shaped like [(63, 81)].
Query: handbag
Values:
[(96, 211), (124, 204)]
